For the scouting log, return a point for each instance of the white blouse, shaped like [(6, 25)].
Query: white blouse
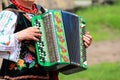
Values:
[(9, 46)]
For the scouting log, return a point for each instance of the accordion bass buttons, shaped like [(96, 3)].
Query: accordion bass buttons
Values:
[(41, 50)]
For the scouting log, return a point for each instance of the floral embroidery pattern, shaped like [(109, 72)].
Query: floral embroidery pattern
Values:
[(20, 64), (28, 58), (8, 41)]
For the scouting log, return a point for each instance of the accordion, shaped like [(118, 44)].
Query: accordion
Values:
[(61, 46)]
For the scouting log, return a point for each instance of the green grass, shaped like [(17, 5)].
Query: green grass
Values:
[(103, 22), (104, 71)]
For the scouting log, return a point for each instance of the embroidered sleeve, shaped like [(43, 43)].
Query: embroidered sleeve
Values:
[(9, 46)]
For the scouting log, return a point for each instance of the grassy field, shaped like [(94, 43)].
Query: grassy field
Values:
[(104, 71), (103, 22)]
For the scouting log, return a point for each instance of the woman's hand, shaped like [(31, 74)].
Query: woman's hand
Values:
[(87, 38), (31, 33)]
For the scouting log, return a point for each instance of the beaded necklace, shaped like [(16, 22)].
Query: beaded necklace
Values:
[(34, 10)]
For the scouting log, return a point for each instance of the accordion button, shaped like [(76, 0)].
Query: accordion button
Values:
[(42, 43), (44, 54), (40, 32)]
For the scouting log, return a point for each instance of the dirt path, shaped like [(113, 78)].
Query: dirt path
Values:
[(107, 51)]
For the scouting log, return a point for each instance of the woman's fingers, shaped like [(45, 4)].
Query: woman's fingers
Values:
[(87, 38), (35, 38), (31, 33)]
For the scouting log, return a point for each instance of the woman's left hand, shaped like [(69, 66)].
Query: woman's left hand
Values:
[(87, 38)]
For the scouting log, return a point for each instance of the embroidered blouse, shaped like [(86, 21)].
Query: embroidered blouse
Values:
[(9, 46)]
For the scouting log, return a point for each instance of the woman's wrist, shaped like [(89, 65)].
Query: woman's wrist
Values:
[(18, 37)]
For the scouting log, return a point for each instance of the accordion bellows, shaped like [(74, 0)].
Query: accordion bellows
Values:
[(61, 46)]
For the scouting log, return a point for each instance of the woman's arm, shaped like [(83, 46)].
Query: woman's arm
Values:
[(9, 46)]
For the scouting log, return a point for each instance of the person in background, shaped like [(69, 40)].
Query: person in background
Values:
[(17, 39)]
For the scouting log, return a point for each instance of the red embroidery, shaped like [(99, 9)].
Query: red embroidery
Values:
[(29, 57), (7, 43), (8, 52), (36, 65), (11, 66)]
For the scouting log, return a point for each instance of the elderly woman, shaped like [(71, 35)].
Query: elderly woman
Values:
[(17, 37)]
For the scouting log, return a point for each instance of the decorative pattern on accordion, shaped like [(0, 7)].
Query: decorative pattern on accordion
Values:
[(52, 47)]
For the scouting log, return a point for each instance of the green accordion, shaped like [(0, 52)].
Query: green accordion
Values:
[(61, 46)]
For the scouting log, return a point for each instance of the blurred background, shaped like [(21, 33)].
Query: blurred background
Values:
[(103, 22)]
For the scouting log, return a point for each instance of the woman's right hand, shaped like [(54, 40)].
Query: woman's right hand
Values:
[(31, 33)]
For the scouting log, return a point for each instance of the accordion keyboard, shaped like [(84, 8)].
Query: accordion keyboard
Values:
[(48, 36), (49, 33)]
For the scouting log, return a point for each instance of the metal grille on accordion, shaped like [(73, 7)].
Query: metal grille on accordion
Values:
[(61, 46)]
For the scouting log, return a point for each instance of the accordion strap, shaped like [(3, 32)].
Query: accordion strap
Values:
[(40, 9)]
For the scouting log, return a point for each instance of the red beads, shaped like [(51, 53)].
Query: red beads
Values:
[(33, 10)]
